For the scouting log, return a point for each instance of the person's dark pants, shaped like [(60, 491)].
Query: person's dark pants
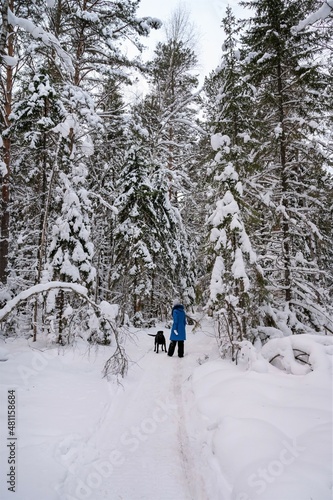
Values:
[(172, 348)]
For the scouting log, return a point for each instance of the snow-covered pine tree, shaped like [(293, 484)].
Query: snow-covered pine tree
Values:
[(178, 256), (150, 235), (35, 113), (174, 133), (322, 20), (93, 33), (70, 246), (51, 104), (144, 258), (105, 167), (293, 98), (235, 286), (71, 250), (163, 129), (28, 113)]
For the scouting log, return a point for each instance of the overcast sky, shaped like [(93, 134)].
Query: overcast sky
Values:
[(205, 14)]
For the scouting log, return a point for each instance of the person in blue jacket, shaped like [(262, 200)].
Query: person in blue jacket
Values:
[(178, 330)]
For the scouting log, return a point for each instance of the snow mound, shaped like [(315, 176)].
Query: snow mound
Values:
[(3, 354), (268, 432), (300, 354)]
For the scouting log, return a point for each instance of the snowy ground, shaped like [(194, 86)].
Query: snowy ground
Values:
[(196, 428)]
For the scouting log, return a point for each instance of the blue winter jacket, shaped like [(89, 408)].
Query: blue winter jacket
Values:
[(179, 323)]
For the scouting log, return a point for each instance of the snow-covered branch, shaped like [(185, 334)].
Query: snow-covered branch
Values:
[(47, 38), (323, 12), (195, 126), (167, 116), (36, 289), (104, 202)]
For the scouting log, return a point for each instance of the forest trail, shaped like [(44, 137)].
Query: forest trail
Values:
[(171, 431), (144, 444)]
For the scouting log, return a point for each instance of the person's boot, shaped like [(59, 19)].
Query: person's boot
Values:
[(171, 349)]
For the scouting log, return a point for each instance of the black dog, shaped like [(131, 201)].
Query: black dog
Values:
[(159, 340)]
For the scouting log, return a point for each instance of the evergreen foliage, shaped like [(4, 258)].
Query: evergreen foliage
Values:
[(268, 110), (133, 203), (292, 95)]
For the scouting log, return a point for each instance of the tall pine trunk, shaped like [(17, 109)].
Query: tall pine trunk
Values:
[(6, 40), (284, 184)]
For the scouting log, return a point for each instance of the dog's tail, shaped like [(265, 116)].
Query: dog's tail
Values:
[(152, 334)]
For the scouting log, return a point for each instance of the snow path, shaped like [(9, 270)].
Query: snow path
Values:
[(144, 444), (172, 431)]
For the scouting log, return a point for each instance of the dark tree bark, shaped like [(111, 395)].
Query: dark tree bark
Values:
[(6, 42)]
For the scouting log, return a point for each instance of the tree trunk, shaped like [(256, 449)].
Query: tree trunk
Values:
[(7, 87), (284, 184)]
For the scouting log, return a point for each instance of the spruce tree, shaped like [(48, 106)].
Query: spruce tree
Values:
[(292, 100), (236, 281), (175, 132), (76, 48)]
